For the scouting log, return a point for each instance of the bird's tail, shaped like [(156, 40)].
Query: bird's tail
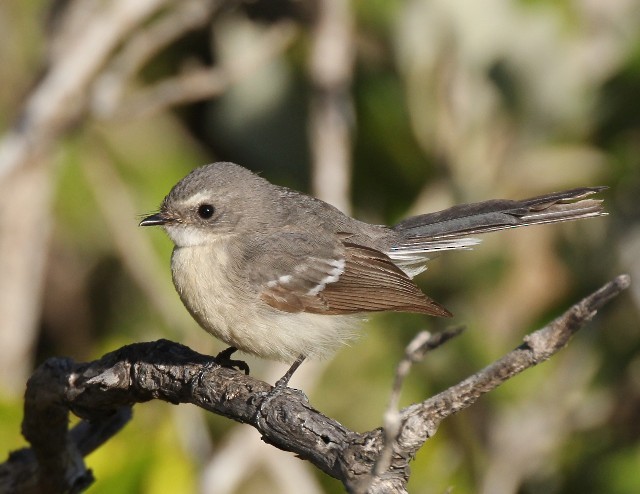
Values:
[(450, 229)]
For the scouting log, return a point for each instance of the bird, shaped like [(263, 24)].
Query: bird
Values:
[(285, 276)]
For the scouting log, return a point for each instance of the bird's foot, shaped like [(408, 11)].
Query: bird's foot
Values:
[(224, 360), (280, 387)]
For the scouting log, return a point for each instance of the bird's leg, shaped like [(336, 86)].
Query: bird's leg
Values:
[(284, 380), (224, 359), (280, 387)]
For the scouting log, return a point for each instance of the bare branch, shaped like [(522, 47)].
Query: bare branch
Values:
[(101, 392), (537, 348), (143, 45), (196, 83), (58, 99), (415, 351)]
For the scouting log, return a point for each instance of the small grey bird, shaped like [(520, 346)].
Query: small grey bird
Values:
[(285, 276)]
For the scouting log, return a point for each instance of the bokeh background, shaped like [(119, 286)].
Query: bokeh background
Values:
[(384, 108)]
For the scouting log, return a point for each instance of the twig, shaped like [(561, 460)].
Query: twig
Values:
[(415, 352), (419, 422), (200, 83), (537, 348), (57, 100), (142, 46)]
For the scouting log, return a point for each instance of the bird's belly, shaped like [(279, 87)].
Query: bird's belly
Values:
[(228, 308)]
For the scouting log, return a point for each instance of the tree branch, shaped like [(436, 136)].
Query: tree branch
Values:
[(58, 99), (102, 392), (194, 83), (331, 118), (416, 350)]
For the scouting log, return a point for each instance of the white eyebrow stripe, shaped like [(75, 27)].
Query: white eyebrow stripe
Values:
[(198, 198)]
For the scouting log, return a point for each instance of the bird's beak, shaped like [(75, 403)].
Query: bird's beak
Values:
[(157, 219)]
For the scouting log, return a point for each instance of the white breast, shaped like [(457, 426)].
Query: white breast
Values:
[(219, 298)]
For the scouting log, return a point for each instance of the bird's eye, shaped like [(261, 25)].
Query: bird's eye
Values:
[(205, 211)]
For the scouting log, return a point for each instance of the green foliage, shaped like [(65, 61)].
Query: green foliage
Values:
[(10, 418)]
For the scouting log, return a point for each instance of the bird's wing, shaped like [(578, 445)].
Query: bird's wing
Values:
[(297, 272)]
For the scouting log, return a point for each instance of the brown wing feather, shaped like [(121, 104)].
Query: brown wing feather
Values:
[(368, 282), (371, 282), (287, 300)]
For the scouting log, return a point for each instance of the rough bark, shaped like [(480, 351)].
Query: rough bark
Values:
[(102, 393)]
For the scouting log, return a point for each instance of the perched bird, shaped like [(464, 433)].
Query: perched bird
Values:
[(285, 276)]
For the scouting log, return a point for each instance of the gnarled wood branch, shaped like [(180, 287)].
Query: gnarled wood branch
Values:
[(102, 393)]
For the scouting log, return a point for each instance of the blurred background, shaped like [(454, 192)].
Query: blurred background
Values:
[(385, 109)]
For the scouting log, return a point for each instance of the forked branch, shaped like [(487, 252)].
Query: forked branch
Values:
[(102, 393)]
